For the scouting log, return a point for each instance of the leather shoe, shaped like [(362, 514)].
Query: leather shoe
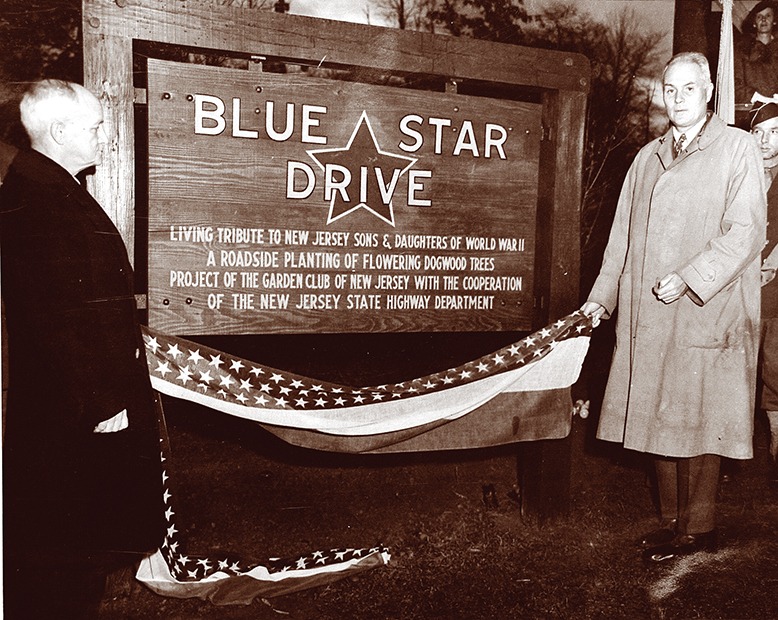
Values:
[(683, 544), (661, 536)]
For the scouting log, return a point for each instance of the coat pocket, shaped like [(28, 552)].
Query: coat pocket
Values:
[(722, 323)]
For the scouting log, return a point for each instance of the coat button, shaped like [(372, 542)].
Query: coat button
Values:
[(137, 353)]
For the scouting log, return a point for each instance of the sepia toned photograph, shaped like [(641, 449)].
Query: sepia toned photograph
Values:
[(389, 309)]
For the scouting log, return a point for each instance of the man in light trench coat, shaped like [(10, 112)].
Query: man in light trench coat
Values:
[(683, 267)]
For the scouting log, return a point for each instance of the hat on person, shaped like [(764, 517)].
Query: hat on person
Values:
[(749, 23), (763, 112)]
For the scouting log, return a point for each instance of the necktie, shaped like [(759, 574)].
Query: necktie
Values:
[(678, 145)]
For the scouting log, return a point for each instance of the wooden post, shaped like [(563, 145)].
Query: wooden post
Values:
[(545, 466), (108, 74)]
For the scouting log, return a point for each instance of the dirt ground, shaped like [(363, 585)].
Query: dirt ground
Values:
[(239, 489)]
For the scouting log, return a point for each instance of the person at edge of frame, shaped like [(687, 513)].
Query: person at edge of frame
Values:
[(764, 127), (82, 476), (682, 265), (756, 55)]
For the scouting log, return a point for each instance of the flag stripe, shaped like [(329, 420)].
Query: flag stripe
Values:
[(507, 418), (241, 589)]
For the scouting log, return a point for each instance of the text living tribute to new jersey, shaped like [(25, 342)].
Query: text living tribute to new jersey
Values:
[(287, 203)]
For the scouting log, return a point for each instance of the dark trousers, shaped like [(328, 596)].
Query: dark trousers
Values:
[(687, 491), (45, 585)]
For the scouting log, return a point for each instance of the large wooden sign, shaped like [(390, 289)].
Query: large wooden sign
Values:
[(243, 181), (288, 203)]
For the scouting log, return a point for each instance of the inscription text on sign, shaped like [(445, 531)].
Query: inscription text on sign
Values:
[(283, 203)]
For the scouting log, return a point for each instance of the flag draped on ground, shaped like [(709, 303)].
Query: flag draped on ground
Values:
[(230, 579), (526, 383)]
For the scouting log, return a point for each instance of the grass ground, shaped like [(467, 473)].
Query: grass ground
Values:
[(242, 490)]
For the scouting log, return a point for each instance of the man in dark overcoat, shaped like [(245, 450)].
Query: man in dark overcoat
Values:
[(82, 478)]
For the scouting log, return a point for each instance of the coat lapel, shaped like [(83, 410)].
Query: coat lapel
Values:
[(712, 128), (664, 149)]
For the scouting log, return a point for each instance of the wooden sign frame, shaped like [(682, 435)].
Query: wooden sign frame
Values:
[(558, 80)]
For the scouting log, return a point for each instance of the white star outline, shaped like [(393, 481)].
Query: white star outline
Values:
[(363, 118)]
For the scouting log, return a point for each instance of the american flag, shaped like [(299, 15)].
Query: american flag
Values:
[(548, 359), (228, 579)]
